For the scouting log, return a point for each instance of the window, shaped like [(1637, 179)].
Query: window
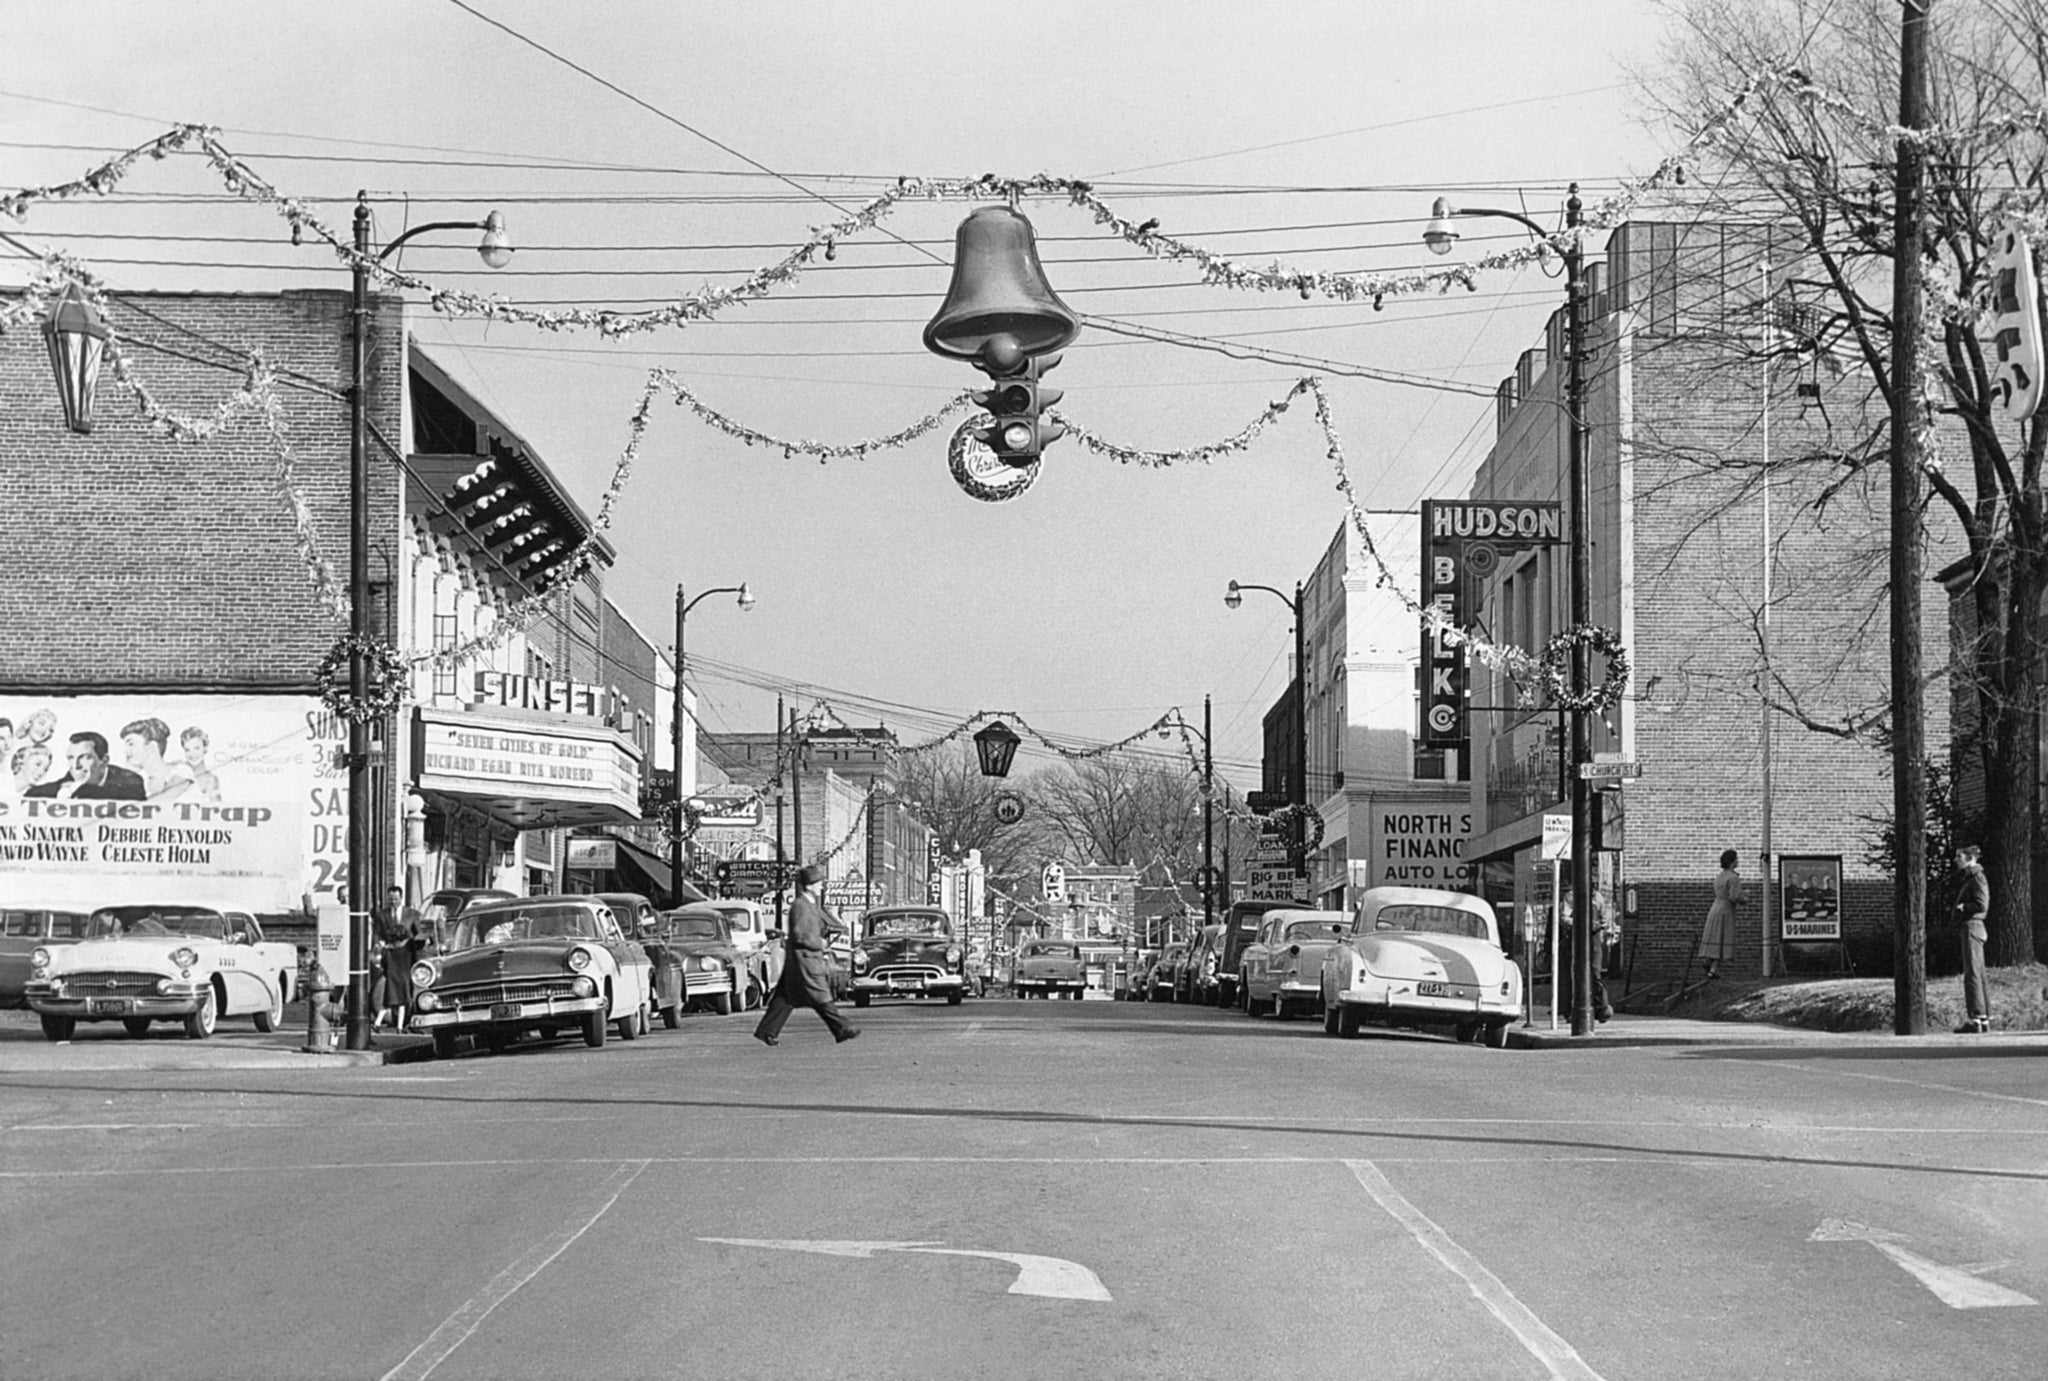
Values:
[(444, 638)]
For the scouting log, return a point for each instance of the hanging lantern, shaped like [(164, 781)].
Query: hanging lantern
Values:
[(996, 745), (77, 339)]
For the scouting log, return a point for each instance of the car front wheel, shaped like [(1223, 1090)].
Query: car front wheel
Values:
[(199, 1025), (136, 1026), (444, 1043), (594, 1029), (56, 1028), (860, 999), (272, 1017), (1347, 1021), (1496, 1035)]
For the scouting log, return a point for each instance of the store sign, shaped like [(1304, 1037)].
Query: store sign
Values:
[(512, 691), (1463, 543), (598, 855), (1810, 897), (739, 808), (568, 761), (213, 800), (1422, 846)]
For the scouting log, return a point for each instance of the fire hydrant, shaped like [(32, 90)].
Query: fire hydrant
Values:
[(323, 1035)]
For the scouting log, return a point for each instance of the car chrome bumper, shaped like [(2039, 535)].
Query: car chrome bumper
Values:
[(1400, 995), (182, 1001), (918, 983), (506, 1013), (1051, 984), (707, 981)]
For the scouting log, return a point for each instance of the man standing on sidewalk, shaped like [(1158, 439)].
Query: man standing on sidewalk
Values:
[(807, 974), (1972, 908)]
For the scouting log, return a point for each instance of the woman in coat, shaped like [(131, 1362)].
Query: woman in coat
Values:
[(1717, 940), (807, 973)]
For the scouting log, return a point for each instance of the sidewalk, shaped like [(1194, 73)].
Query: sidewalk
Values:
[(235, 1044), (1625, 1029)]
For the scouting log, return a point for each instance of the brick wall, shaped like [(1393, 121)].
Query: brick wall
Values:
[(135, 561)]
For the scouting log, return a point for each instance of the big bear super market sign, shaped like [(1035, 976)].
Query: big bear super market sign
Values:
[(210, 800)]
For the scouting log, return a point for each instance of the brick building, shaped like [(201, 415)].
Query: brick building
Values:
[(1679, 412), (160, 594)]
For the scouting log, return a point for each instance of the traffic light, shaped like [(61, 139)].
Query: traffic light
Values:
[(1017, 431), (2011, 328)]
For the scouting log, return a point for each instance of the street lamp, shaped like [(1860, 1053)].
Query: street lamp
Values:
[(77, 339), (996, 745), (1440, 235), (1232, 598), (675, 831), (496, 252)]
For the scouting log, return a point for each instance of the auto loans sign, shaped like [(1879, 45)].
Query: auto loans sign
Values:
[(223, 801), (1421, 846)]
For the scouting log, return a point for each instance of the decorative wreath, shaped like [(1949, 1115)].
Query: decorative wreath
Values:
[(970, 459), (1311, 826), (1556, 668), (385, 673)]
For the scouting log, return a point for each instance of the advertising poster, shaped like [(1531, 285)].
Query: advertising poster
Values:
[(1810, 897), (219, 800)]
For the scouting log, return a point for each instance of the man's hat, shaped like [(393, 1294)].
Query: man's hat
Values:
[(810, 874)]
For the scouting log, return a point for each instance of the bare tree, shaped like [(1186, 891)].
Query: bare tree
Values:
[(1812, 147)]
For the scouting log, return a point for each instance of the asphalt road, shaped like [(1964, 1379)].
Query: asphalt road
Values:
[(1010, 1189)]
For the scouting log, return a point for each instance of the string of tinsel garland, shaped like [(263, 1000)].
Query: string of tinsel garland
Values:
[(244, 181), (386, 673), (1556, 667)]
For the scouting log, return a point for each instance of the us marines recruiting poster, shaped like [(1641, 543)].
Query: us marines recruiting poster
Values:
[(203, 799)]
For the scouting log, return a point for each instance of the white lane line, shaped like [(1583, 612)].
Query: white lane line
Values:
[(458, 1326), (1929, 1085), (1559, 1358), (972, 1027)]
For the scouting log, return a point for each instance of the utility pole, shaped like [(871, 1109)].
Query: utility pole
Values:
[(1908, 415), (781, 789), (1208, 819)]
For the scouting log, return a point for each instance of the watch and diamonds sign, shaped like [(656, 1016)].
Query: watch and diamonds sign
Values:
[(1463, 543)]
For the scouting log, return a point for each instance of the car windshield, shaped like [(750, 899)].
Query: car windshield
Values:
[(696, 928), (115, 922), (1051, 951), (1308, 930), (738, 917), (920, 924), (1431, 920), (524, 923)]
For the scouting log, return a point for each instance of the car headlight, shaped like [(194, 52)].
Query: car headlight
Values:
[(953, 955), (424, 974), (860, 958), (39, 961), (579, 959), (709, 965), (584, 986), (425, 1002), (184, 956), (163, 985)]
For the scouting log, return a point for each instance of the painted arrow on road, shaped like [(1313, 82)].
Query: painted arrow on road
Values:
[(1956, 1286), (1050, 1276)]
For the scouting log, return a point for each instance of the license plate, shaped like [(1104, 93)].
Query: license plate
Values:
[(106, 1006), (906, 982), (1433, 989), (504, 1011)]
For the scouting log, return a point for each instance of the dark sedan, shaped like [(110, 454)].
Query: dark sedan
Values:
[(908, 951)]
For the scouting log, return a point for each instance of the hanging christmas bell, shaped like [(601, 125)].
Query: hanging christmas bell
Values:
[(999, 289)]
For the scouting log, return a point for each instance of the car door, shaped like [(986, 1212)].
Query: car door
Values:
[(630, 992)]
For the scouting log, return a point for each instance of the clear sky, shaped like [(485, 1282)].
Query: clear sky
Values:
[(1308, 134)]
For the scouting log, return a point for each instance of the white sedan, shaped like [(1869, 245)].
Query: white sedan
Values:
[(139, 964), (1415, 956)]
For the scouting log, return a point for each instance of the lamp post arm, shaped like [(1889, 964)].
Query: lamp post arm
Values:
[(1538, 231), (417, 230), (1281, 595), (705, 594)]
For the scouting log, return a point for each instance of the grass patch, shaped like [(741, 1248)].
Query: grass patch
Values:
[(2019, 1002)]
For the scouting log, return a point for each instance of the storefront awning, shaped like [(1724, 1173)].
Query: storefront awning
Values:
[(654, 868)]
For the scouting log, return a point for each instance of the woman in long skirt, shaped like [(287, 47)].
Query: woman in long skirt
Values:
[(1717, 941)]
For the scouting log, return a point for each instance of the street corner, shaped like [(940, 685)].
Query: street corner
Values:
[(24, 1048)]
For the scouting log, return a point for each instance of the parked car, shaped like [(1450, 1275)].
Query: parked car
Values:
[(1240, 923), (1281, 970), (908, 951), (24, 929), (1159, 979), (716, 972), (439, 911), (640, 921), (1048, 968), (532, 964), (1415, 956), (756, 936), (1198, 979), (147, 963)]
